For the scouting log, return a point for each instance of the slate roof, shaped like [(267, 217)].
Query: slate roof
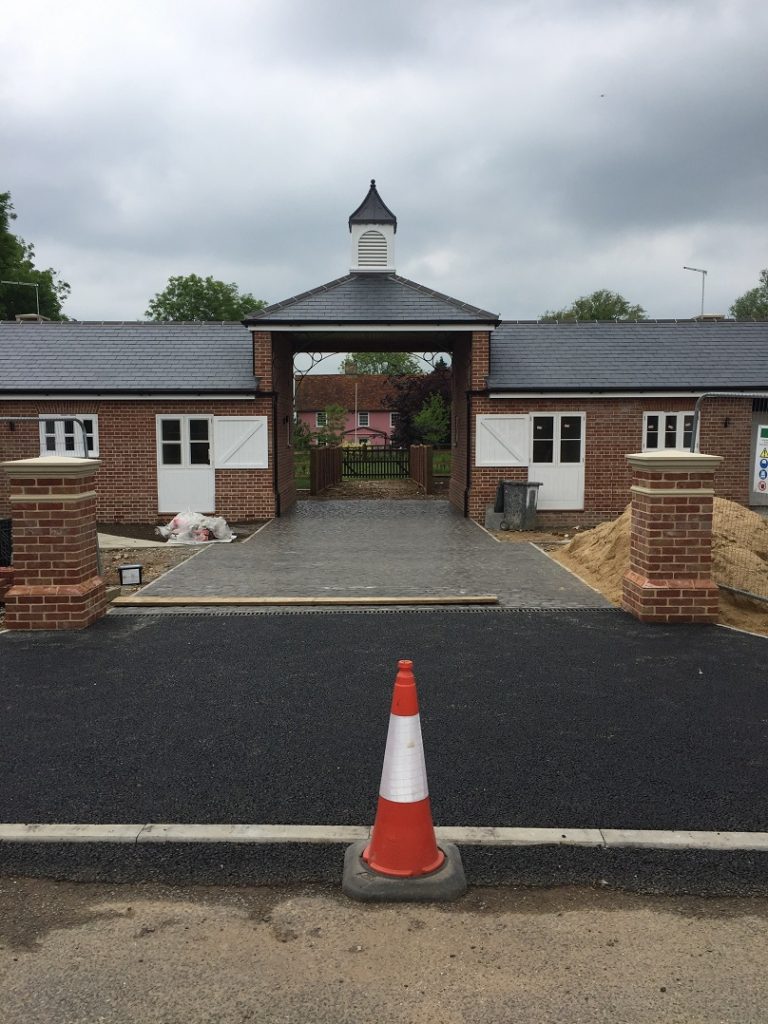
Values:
[(316, 391), (372, 210), (650, 355), (125, 357), (370, 299)]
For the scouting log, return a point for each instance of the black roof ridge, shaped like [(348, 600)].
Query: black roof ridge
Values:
[(284, 303), (648, 322), (446, 298), (121, 323)]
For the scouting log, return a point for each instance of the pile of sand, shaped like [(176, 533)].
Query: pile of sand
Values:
[(739, 551)]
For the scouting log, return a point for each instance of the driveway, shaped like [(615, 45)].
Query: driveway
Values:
[(377, 549)]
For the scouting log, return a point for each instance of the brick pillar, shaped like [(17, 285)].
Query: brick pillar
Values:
[(670, 558), (56, 584)]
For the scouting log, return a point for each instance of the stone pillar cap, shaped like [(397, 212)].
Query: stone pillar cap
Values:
[(61, 465), (674, 460)]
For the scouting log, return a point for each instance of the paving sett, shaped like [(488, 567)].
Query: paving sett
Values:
[(377, 549)]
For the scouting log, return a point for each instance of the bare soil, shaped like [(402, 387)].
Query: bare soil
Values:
[(739, 546)]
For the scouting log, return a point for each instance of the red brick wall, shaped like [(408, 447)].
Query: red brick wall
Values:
[(614, 429), (670, 558), (55, 584), (127, 482), (282, 379)]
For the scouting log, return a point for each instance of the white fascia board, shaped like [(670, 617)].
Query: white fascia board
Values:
[(605, 394), (150, 396), (373, 328)]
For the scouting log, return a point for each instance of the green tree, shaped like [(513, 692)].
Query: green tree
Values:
[(600, 305), (332, 433), (394, 364), (410, 395), (302, 435), (432, 422), (17, 263), (753, 305), (197, 298)]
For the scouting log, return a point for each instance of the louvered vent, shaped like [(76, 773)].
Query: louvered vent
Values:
[(372, 249)]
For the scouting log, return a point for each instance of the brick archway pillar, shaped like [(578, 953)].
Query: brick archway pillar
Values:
[(56, 581), (670, 557)]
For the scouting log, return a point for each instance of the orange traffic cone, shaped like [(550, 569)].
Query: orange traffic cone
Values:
[(402, 861), (403, 842)]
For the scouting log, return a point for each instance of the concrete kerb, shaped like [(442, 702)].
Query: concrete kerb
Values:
[(481, 836)]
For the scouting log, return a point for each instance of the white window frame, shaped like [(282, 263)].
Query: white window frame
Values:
[(184, 441), (558, 417), (679, 429), (363, 422), (60, 433), (487, 421), (321, 419), (393, 418)]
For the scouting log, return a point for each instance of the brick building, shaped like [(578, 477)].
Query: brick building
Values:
[(200, 415)]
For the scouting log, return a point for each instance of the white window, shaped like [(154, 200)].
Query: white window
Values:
[(184, 441), (393, 418), (556, 439), (321, 419), (667, 430), (63, 436), (362, 419)]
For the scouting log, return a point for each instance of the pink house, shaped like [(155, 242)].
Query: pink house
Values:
[(364, 396)]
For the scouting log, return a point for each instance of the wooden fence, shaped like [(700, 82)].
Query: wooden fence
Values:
[(324, 468), (421, 471)]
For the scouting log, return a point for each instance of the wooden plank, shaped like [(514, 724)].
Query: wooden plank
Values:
[(304, 602)]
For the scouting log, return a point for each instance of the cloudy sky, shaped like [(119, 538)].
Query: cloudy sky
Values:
[(532, 151)]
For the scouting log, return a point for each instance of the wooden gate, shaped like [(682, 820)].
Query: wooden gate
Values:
[(375, 462)]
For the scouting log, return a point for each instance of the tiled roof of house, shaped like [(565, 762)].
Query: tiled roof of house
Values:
[(316, 391), (644, 355), (372, 210), (141, 357), (370, 299)]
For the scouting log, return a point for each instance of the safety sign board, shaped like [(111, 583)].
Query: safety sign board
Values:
[(761, 459)]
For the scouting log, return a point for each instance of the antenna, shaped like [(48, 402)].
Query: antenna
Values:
[(703, 273)]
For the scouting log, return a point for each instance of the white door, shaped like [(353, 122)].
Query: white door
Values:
[(557, 459), (186, 480)]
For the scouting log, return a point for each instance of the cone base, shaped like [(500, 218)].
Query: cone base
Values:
[(359, 882)]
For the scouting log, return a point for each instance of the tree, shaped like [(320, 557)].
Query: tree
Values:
[(433, 421), (332, 432), (17, 264), (394, 364), (302, 435), (408, 398), (600, 305), (196, 298), (753, 305)]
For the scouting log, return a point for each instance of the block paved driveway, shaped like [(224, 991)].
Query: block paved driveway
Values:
[(377, 549)]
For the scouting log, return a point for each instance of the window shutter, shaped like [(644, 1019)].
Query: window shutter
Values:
[(501, 440), (240, 442)]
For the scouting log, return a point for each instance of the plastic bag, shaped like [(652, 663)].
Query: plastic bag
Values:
[(195, 528)]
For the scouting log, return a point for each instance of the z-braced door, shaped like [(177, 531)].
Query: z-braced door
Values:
[(186, 480), (557, 459)]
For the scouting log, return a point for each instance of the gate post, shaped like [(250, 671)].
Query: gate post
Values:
[(56, 581), (670, 549)]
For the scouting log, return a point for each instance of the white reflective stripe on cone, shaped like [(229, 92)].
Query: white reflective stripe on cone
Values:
[(404, 775)]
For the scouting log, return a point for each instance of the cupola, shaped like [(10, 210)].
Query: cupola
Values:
[(373, 227)]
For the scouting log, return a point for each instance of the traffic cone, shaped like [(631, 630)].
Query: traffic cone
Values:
[(403, 848), (403, 842)]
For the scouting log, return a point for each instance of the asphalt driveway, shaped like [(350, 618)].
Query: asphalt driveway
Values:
[(553, 719)]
